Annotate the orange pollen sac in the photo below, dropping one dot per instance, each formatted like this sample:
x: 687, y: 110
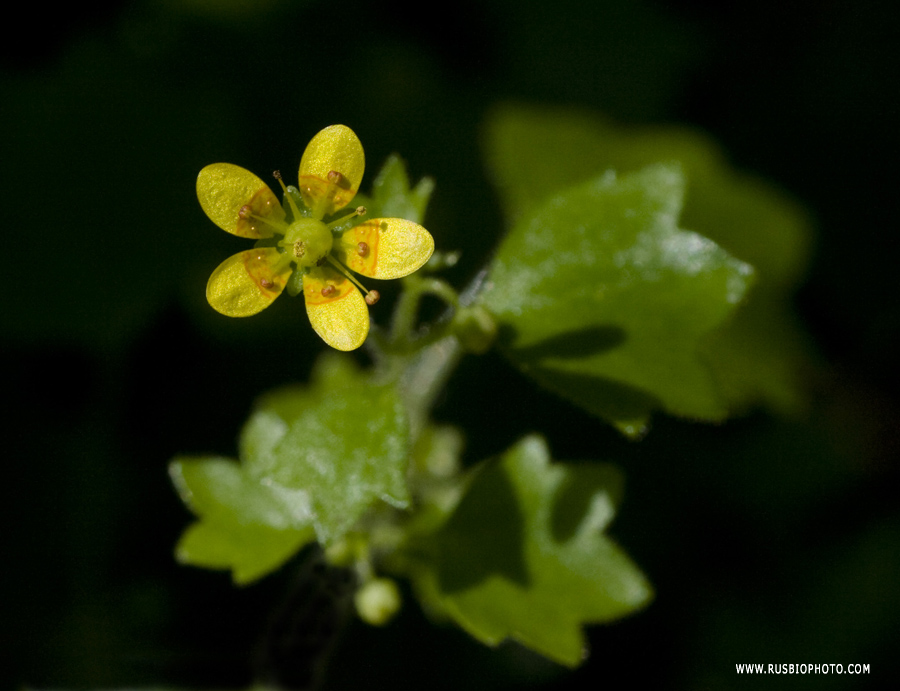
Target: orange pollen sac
x: 362, y: 249
x: 371, y: 297
x: 327, y: 291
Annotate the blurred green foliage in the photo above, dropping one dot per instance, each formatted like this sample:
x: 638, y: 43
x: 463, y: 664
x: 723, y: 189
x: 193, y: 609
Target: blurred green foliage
x: 759, y: 356
x: 516, y: 550
x: 523, y: 555
x: 244, y: 525
x: 767, y: 539
x: 605, y: 299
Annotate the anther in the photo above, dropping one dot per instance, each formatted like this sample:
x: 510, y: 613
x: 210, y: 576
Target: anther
x: 372, y: 297
x: 358, y: 211
x: 299, y: 249
x: 245, y: 211
x: 327, y: 291
x: 265, y: 283
x: 362, y: 249
x: 334, y: 176
x: 290, y: 200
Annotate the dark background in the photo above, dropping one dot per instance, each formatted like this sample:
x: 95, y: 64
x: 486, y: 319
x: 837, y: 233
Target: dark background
x: 773, y: 541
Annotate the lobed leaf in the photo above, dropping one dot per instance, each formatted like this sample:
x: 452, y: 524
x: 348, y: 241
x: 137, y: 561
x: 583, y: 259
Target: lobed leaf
x: 392, y: 195
x: 758, y: 356
x: 603, y: 299
x: 523, y: 555
x: 343, y: 442
x: 243, y: 525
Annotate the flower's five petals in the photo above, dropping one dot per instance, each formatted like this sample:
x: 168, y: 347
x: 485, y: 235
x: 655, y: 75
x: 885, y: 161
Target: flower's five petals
x: 385, y: 248
x: 336, y: 309
x: 235, y: 200
x: 331, y: 170
x: 247, y: 282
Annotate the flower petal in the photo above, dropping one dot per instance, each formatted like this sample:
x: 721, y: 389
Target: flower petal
x: 339, y: 314
x: 224, y: 189
x: 335, y: 149
x: 247, y: 282
x: 391, y: 247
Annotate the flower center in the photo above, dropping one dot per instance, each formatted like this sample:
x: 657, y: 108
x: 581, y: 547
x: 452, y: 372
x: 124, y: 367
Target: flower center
x: 307, y: 241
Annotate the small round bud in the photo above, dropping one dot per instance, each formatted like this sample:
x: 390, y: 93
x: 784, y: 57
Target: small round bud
x: 475, y: 328
x: 372, y: 297
x: 377, y: 601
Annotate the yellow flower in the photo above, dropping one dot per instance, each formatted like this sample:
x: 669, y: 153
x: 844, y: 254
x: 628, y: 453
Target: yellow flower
x: 331, y: 170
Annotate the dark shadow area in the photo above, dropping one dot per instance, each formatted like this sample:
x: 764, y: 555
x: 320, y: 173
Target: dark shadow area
x: 303, y: 631
x: 605, y: 398
x: 573, y: 344
x: 485, y: 535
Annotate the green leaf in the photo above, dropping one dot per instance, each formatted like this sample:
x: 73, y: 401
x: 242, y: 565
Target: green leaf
x: 392, y: 196
x: 523, y: 555
x: 314, y: 458
x: 342, y: 442
x: 757, y: 357
x: 603, y: 299
x: 244, y: 525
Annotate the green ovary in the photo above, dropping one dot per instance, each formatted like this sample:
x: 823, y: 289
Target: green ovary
x: 307, y: 241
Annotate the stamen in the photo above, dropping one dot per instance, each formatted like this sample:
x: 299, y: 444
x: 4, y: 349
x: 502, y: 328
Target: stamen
x: 277, y: 175
x: 328, y: 291
x: 265, y: 283
x: 299, y: 249
x: 362, y: 249
x: 372, y: 295
x: 245, y: 213
x: 358, y: 211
